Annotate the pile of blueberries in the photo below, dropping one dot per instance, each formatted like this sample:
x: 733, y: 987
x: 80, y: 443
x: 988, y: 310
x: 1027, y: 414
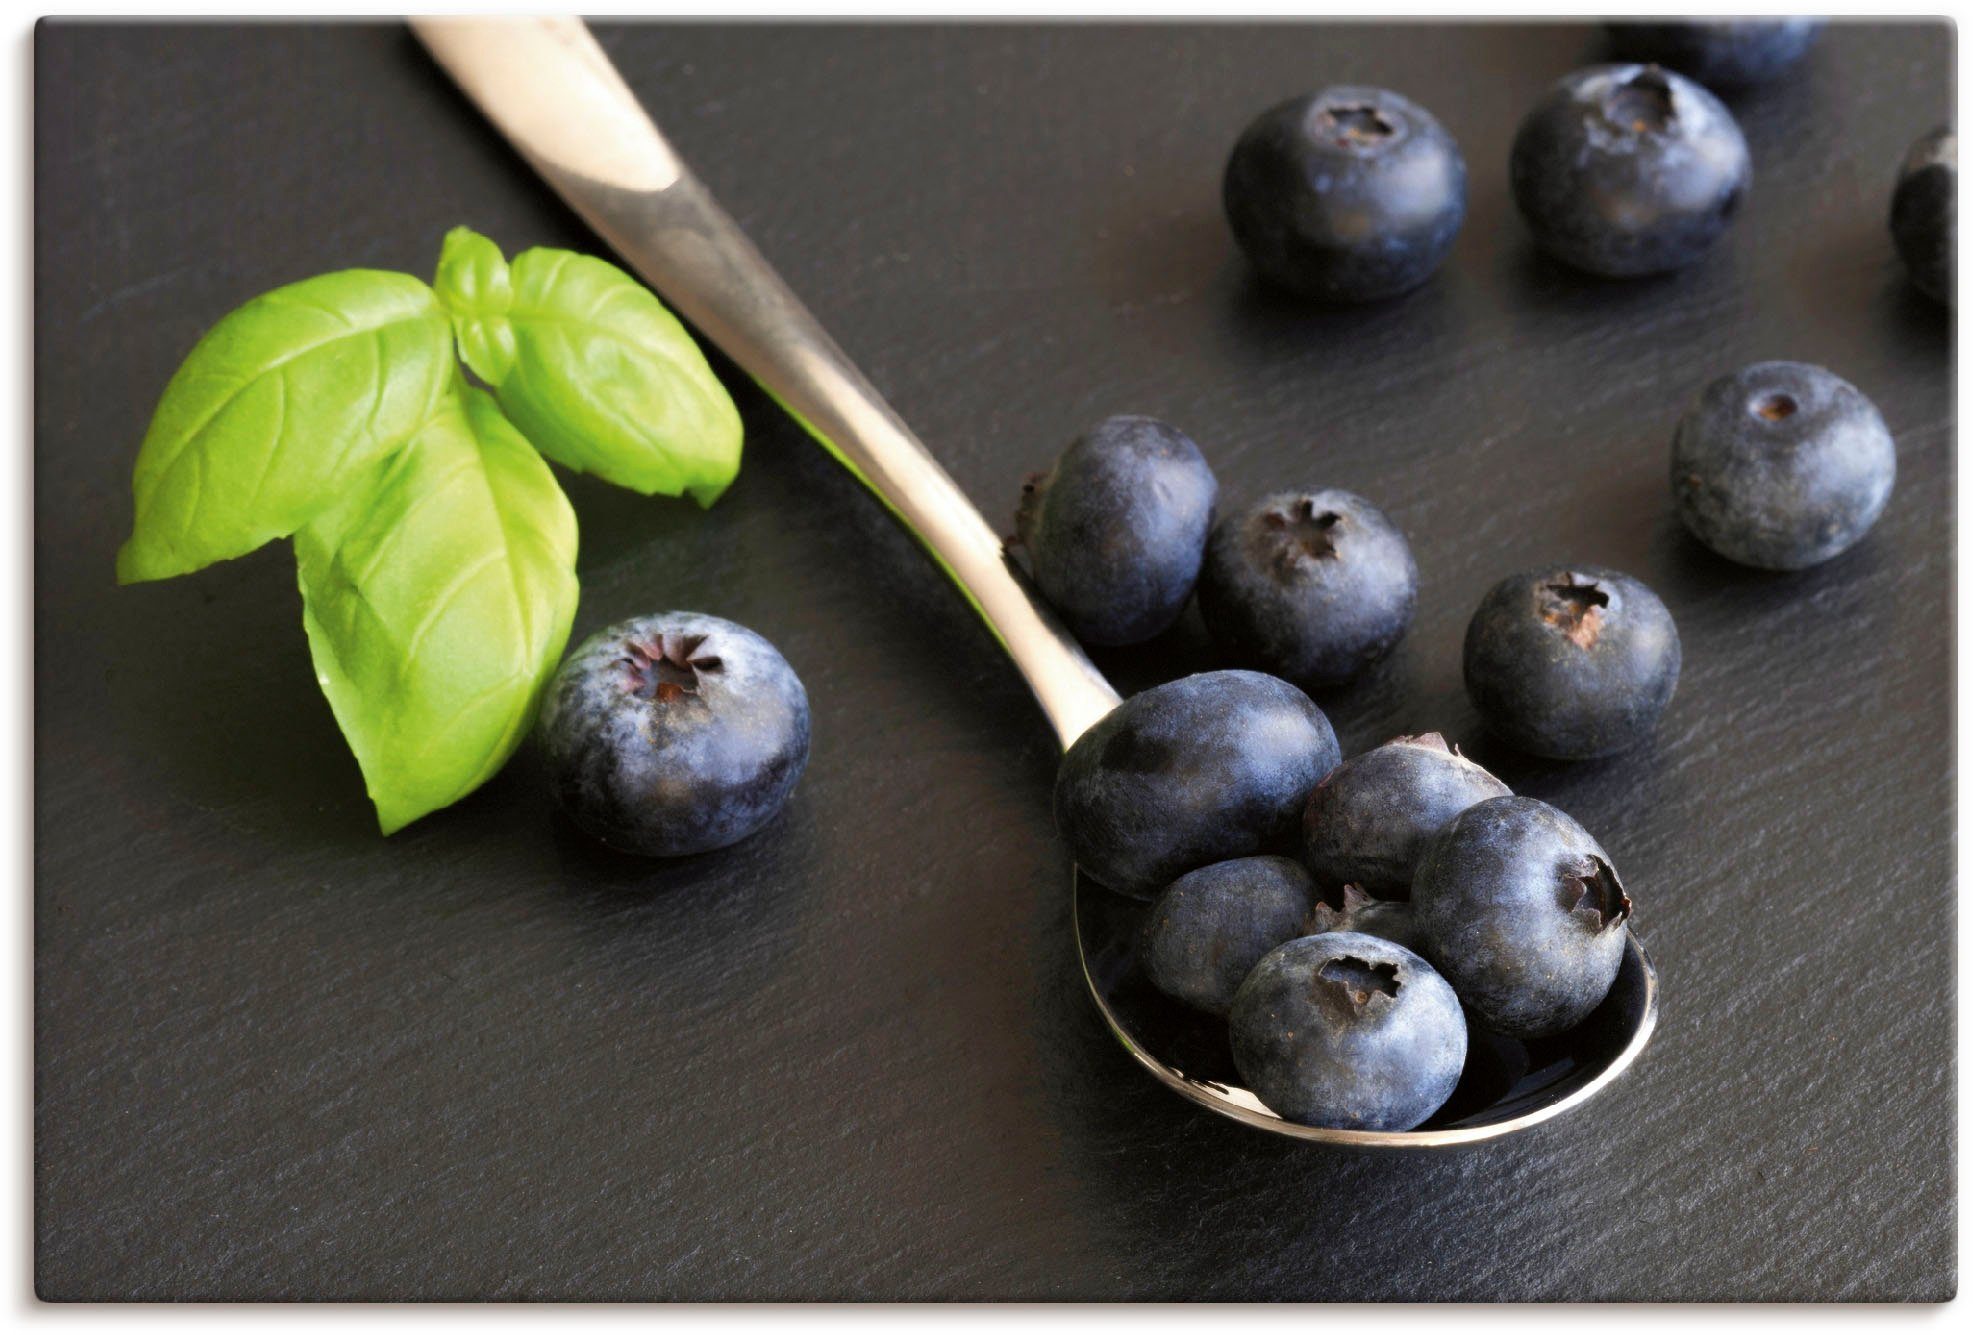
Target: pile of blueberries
x: 1425, y: 896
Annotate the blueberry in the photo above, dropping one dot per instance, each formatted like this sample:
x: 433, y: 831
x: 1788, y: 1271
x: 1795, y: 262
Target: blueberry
x: 1720, y: 53
x: 1368, y: 821
x: 1311, y: 586
x: 1348, y: 1030
x: 1390, y: 919
x: 1925, y: 213
x: 1198, y: 770
x: 1522, y: 912
x: 1622, y: 170
x: 674, y: 733
x: 1781, y: 465
x: 1211, y: 926
x: 1115, y: 531
x: 1350, y: 194
x: 1571, y: 662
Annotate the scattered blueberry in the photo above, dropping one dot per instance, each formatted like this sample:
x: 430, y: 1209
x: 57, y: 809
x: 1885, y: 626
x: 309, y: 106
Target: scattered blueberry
x: 1390, y: 919
x: 1622, y: 170
x: 1350, y: 194
x: 674, y: 733
x: 1211, y: 927
x: 1781, y: 465
x: 1368, y: 821
x: 1213, y: 766
x: 1348, y: 1030
x: 1925, y: 213
x: 1311, y: 586
x: 1720, y: 53
x: 1571, y: 662
x: 1116, y: 530
x: 1522, y: 912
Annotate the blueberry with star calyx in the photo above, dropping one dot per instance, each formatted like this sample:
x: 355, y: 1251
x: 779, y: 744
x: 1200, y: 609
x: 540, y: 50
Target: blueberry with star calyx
x: 674, y: 734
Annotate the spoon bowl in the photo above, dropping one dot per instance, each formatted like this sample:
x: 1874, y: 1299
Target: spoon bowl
x: 1507, y: 1085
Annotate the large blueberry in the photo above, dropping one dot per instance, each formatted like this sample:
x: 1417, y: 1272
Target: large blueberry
x: 1571, y: 662
x: 1349, y: 194
x: 1211, y: 926
x: 1350, y: 1031
x: 674, y: 733
x: 1925, y: 213
x: 1622, y: 170
x: 1198, y: 770
x: 1313, y: 586
x: 1390, y: 919
x: 1720, y: 53
x: 1781, y: 465
x: 1368, y: 821
x: 1115, y: 531
x: 1524, y: 915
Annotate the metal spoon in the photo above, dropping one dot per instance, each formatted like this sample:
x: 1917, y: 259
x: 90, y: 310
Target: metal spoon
x: 552, y: 91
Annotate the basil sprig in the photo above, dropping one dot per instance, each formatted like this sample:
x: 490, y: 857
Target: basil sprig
x: 435, y: 550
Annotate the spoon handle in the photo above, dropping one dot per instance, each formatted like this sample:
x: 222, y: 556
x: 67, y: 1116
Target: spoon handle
x: 549, y: 87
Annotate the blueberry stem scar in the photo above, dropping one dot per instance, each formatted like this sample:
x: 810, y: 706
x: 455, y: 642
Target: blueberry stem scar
x: 1361, y: 979
x: 1577, y: 610
x: 666, y: 667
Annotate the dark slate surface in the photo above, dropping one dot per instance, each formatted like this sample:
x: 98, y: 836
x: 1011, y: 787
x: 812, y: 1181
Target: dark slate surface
x: 279, y: 1056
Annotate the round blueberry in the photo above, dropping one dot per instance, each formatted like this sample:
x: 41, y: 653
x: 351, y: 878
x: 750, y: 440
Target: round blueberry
x: 1213, y: 766
x: 1925, y: 213
x: 1522, y: 912
x: 1622, y: 170
x: 1211, y: 926
x: 1781, y: 465
x: 1350, y: 194
x: 674, y: 733
x: 1390, y: 919
x: 1368, y: 821
x: 1720, y: 53
x: 1312, y: 586
x: 1571, y: 662
x: 1350, y: 1031
x: 1114, y: 533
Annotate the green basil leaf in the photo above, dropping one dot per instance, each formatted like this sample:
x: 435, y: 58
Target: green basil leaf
x: 474, y: 284
x: 280, y: 406
x: 606, y: 380
x: 437, y: 602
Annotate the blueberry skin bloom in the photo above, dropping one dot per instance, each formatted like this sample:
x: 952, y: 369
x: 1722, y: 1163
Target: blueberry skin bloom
x: 1571, y: 662
x: 1116, y: 530
x: 1781, y: 465
x: 1349, y: 194
x: 1524, y: 915
x: 1720, y: 53
x: 1198, y: 770
x: 1925, y: 213
x: 1625, y: 170
x: 1311, y: 586
x: 1211, y: 926
x: 1369, y: 820
x: 1349, y: 1031
x: 674, y: 734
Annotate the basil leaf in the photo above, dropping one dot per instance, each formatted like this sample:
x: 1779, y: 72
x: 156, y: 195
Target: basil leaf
x: 280, y: 406
x: 474, y: 284
x: 606, y: 380
x: 437, y: 600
